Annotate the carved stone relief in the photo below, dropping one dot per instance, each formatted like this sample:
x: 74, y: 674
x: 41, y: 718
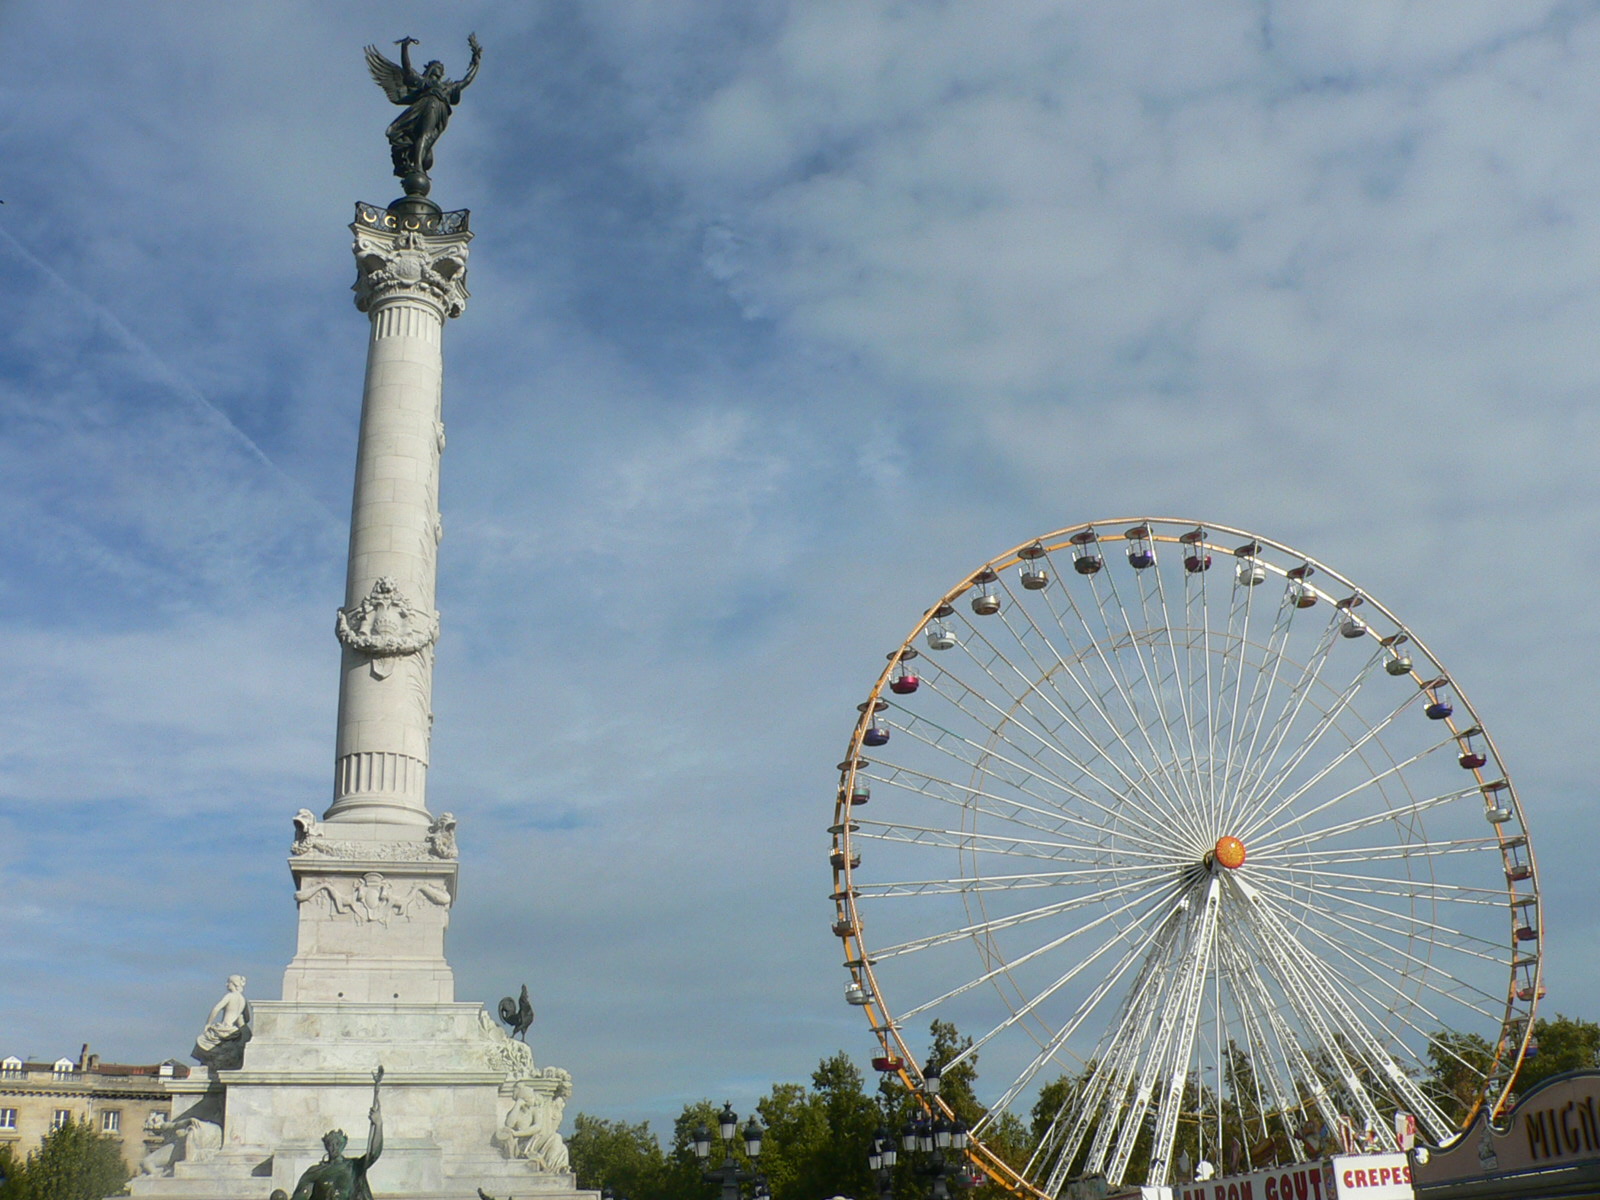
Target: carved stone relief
x: 386, y: 626
x: 374, y: 898
x: 442, y: 836
x: 504, y: 1053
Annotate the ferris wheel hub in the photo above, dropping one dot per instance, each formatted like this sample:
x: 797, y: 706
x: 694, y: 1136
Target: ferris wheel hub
x: 1229, y: 852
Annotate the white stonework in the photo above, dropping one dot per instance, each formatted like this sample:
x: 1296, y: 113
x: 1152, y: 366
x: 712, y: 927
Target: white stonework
x: 375, y: 877
x: 408, y: 284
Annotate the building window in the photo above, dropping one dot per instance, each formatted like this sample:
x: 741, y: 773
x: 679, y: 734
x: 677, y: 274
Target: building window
x: 111, y: 1120
x: 62, y: 1116
x: 63, y: 1066
x: 10, y: 1068
x: 8, y: 1118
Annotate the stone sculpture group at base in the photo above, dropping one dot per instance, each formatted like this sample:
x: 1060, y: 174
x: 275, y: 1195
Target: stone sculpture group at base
x: 188, y: 1139
x: 532, y: 1129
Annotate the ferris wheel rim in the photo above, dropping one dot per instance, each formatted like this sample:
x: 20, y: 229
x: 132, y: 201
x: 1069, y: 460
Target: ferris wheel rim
x: 861, y: 960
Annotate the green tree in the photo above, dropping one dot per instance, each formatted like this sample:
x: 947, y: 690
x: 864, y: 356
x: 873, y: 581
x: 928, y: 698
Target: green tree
x: 1565, y: 1044
x: 822, y: 1136
x: 626, y: 1158
x: 11, y: 1168
x: 1457, y: 1064
x: 75, y: 1162
x: 817, y: 1137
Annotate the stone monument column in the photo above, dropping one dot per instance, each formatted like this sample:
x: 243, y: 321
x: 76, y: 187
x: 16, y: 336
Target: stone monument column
x: 411, y: 277
x: 376, y: 877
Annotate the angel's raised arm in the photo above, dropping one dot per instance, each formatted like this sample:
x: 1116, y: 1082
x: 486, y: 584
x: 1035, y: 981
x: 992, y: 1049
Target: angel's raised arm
x: 405, y: 44
x: 477, y: 57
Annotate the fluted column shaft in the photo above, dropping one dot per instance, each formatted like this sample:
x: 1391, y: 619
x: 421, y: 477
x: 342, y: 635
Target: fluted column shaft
x: 409, y: 284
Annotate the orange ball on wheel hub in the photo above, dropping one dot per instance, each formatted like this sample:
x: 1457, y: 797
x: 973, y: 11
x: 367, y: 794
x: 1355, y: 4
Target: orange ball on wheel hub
x: 1230, y: 852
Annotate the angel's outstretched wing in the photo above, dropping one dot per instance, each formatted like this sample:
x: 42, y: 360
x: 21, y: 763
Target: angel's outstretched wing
x: 390, y: 76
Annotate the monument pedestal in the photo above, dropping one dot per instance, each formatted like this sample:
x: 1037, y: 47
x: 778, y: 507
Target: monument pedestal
x: 370, y: 986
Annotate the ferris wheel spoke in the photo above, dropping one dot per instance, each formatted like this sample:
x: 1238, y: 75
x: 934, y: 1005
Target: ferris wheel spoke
x: 967, y: 841
x: 1005, y: 967
x: 1381, y: 971
x: 1386, y: 816
x: 1239, y: 640
x: 1315, y: 1008
x: 1004, y: 808
x: 1294, y: 1053
x: 1483, y: 1005
x: 1431, y: 931
x: 1356, y: 1033
x: 1129, y: 781
x: 1176, y: 1029
x: 1082, y: 1105
x: 1265, y: 1062
x: 1030, y: 1006
x: 1260, y: 701
x: 1144, y: 888
x: 1380, y: 885
x: 1171, y: 1102
x: 1327, y: 720
x: 947, y: 742
x: 1136, y: 952
x: 1257, y: 815
x: 1111, y: 665
x: 1418, y: 849
x: 1122, y: 1080
x: 1177, y: 780
x: 1289, y: 714
x: 1152, y: 588
x: 966, y: 886
x: 1037, y: 743
x: 1195, y: 585
x: 1185, y: 787
x: 1185, y: 708
x: 1384, y: 966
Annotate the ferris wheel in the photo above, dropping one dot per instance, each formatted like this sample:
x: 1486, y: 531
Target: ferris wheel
x: 1183, y: 822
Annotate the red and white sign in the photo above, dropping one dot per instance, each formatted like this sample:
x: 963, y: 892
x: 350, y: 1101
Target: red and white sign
x: 1405, y: 1129
x: 1346, y: 1177
x: 1301, y: 1181
x: 1372, y: 1177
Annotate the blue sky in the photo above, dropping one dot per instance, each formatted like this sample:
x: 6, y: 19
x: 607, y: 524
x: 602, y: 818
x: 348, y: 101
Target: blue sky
x: 785, y: 317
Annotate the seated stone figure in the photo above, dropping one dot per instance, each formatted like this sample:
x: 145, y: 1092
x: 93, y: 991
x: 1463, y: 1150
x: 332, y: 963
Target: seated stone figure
x: 531, y: 1129
x: 221, y: 1042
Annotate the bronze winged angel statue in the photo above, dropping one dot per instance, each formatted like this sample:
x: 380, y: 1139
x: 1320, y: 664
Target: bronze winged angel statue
x: 429, y: 98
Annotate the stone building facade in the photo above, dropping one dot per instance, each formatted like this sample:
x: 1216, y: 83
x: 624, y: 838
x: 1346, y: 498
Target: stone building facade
x: 114, y: 1098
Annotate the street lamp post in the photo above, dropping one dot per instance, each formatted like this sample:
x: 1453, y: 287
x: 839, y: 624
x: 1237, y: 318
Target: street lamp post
x: 881, y: 1158
x: 928, y: 1136
x: 730, y: 1174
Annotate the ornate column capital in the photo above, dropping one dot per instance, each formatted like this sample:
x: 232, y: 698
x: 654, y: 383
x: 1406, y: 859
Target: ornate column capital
x: 410, y: 264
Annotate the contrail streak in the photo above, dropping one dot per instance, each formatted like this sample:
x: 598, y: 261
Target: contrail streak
x: 179, y: 385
